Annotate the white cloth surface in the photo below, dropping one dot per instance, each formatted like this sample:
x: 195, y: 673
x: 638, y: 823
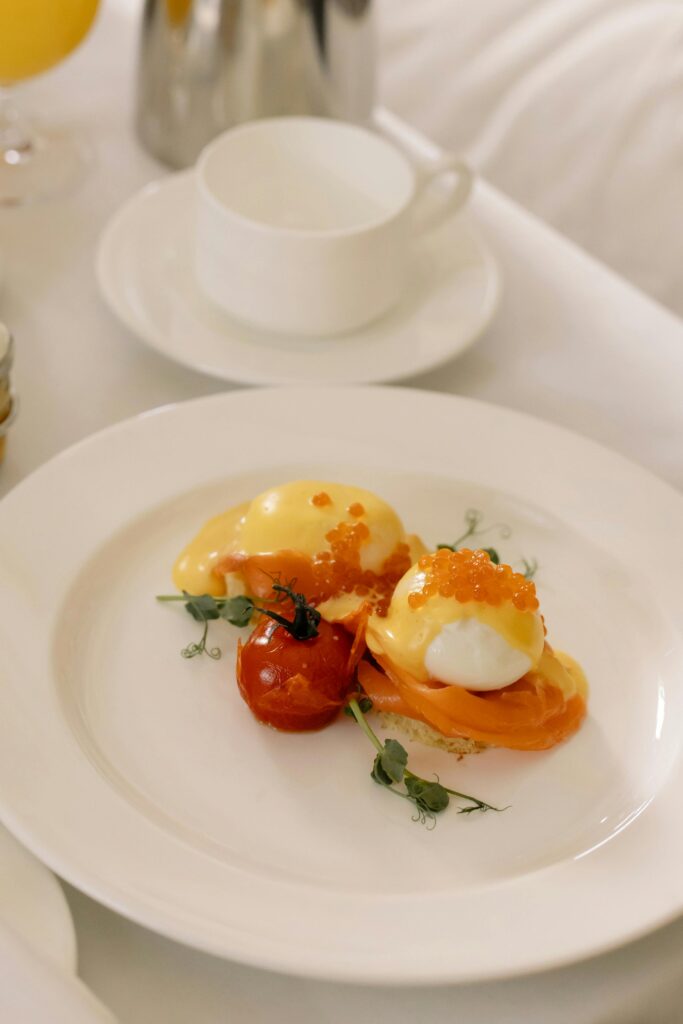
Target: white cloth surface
x: 33, y: 905
x: 33, y: 990
x: 571, y: 343
x: 151, y: 980
x: 575, y: 109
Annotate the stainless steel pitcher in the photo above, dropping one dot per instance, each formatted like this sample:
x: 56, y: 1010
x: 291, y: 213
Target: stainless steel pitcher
x: 206, y: 65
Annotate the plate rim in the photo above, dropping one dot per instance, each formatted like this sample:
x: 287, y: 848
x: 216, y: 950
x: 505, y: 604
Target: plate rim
x: 120, y: 902
x: 110, y: 239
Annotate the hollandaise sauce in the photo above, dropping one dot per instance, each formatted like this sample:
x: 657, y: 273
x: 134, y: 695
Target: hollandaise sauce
x: 341, y: 544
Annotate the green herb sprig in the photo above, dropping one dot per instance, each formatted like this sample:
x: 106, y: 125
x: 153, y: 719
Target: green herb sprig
x: 390, y: 769
x: 530, y: 568
x: 239, y: 610
x: 473, y: 520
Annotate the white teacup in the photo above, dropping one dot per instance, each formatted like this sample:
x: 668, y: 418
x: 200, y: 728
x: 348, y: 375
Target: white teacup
x: 305, y: 225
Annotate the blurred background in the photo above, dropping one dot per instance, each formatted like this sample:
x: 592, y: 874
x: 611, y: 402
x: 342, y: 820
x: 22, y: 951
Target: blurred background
x: 575, y: 109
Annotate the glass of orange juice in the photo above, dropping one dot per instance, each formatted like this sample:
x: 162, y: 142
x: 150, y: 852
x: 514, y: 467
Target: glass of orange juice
x: 35, y: 35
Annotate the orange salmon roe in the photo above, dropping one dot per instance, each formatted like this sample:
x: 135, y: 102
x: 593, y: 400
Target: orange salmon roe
x: 472, y: 576
x: 339, y: 571
x: 322, y: 499
x: 356, y: 509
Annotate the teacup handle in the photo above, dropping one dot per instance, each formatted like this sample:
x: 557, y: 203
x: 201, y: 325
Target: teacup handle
x: 430, y: 212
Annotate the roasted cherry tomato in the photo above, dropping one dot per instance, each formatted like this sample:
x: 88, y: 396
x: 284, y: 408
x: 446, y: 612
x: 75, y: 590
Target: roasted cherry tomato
x: 295, y: 685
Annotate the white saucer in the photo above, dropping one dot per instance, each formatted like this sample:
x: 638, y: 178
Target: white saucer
x: 145, y: 273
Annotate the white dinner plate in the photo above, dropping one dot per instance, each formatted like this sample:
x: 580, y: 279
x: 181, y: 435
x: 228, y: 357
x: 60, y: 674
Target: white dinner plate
x: 146, y: 276
x: 143, y: 779
x: 33, y: 904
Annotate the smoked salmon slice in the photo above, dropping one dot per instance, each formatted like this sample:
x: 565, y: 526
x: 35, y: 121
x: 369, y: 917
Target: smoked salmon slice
x: 531, y: 714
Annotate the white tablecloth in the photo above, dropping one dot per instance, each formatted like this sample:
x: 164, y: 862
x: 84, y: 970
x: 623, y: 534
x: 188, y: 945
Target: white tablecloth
x: 572, y: 343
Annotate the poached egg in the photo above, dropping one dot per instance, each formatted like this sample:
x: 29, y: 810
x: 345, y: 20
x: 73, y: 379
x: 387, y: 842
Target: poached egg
x: 351, y: 539
x: 457, y: 618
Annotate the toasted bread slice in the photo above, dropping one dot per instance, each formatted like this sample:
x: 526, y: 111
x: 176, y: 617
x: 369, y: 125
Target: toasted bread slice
x: 423, y: 733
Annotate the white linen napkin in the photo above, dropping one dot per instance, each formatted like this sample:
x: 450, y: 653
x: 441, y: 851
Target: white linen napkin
x: 35, y: 991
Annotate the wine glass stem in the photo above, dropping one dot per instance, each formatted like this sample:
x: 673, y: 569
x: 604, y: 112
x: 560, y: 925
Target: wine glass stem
x: 16, y: 137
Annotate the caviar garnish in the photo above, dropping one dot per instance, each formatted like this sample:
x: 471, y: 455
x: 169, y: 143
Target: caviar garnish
x: 339, y: 570
x: 471, y: 576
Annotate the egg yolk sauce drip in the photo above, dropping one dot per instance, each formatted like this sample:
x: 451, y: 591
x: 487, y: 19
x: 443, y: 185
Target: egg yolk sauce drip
x: 498, y: 681
x: 344, y: 547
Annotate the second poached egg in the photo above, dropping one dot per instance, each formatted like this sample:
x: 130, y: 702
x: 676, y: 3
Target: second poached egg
x: 456, y: 618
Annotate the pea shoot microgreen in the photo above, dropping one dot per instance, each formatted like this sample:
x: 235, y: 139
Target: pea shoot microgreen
x: 530, y: 568
x: 239, y: 611
x: 390, y: 769
x: 473, y: 521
